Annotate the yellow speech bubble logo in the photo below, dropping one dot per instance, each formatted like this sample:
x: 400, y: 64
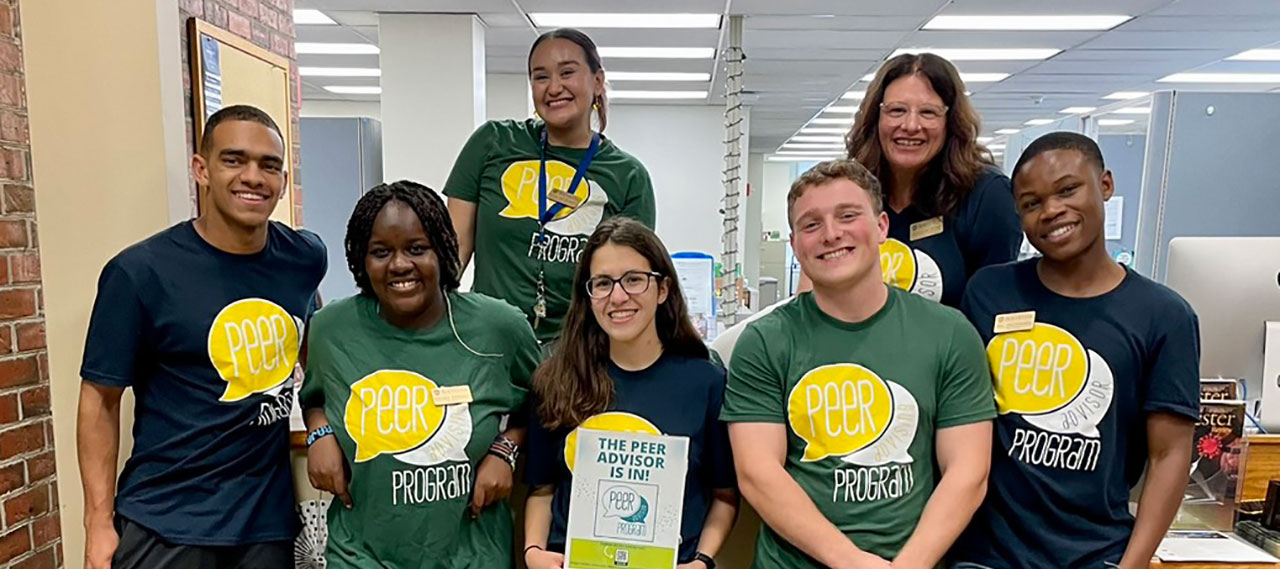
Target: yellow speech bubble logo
x: 520, y: 187
x: 391, y: 411
x: 615, y: 421
x: 253, y: 344
x: 1038, y: 370
x: 898, y: 264
x: 839, y: 409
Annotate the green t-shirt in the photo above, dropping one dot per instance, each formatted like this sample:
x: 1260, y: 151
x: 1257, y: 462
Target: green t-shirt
x: 862, y: 404
x: 498, y: 171
x: 412, y: 462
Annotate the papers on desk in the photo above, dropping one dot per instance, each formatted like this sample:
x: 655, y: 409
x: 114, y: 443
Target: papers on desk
x: 1209, y: 546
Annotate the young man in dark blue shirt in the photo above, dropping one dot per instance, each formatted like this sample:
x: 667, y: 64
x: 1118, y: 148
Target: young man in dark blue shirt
x: 204, y: 321
x: 1096, y: 372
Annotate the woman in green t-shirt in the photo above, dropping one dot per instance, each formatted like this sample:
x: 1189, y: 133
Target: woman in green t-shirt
x: 629, y: 360
x: 525, y: 195
x: 408, y: 390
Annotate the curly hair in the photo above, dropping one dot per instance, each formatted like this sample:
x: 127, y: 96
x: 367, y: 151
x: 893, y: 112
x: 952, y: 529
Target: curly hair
x: 426, y: 203
x: 951, y: 175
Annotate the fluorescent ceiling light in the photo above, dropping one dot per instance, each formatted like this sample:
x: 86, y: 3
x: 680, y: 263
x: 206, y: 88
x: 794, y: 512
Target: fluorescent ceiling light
x: 1039, y: 122
x: 1077, y: 110
x: 616, y: 20
x: 821, y: 130
x: 1046, y: 22
x: 996, y: 147
x: 304, y: 17
x: 854, y: 95
x: 812, y: 146
x: 1114, y: 122
x: 1221, y: 78
x: 308, y: 48
x: 846, y: 120
x: 622, y: 94
x: 966, y: 77
x: 984, y: 139
x: 1257, y: 55
x: 339, y: 72
x: 354, y: 89
x: 659, y: 52
x: 1008, y: 131
x: 984, y: 54
x: 831, y: 139
x: 656, y: 76
x: 840, y: 110
x: 1125, y: 95
x: 793, y: 152
x: 793, y: 158
x: 1133, y: 111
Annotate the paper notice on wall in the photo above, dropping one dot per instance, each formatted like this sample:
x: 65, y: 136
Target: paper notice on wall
x: 1115, y: 217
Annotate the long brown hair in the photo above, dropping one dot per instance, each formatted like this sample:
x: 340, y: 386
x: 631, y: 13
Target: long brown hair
x: 589, y: 53
x: 951, y: 175
x: 574, y: 384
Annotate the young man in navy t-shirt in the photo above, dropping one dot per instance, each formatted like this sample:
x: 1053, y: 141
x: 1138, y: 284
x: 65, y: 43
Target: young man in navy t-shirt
x: 1096, y: 372
x: 204, y: 321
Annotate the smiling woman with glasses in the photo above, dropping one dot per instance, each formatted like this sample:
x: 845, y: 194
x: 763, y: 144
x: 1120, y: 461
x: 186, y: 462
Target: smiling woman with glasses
x: 950, y: 209
x: 628, y: 360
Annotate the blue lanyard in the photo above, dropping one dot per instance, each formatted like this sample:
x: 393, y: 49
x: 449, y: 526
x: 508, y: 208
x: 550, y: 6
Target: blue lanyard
x: 544, y: 214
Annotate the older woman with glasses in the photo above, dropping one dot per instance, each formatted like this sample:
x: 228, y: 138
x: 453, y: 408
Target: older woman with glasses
x: 950, y: 209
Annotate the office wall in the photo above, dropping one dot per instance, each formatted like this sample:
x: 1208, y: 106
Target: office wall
x: 1123, y: 154
x: 105, y: 178
x: 340, y: 109
x: 1210, y: 170
x: 685, y: 168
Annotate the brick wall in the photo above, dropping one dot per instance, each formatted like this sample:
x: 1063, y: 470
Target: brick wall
x: 269, y: 25
x: 30, y: 535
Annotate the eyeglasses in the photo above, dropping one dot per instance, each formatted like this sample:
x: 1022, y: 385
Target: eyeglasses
x: 929, y: 114
x: 633, y: 283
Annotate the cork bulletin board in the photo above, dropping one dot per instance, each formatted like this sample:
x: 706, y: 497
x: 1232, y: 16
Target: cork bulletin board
x: 229, y: 70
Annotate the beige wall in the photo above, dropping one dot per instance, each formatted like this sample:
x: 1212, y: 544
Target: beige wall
x: 108, y: 153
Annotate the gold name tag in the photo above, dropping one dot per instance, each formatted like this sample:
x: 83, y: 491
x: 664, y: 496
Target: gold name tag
x: 451, y: 395
x: 1015, y: 322
x: 564, y: 198
x: 926, y: 228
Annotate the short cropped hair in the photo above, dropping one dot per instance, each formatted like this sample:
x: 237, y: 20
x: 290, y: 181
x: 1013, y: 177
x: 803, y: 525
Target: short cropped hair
x: 1062, y: 140
x: 831, y: 170
x: 236, y: 113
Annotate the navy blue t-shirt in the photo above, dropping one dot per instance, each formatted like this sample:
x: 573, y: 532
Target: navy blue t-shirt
x: 676, y: 396
x: 208, y: 340
x: 983, y: 230
x: 1073, y: 395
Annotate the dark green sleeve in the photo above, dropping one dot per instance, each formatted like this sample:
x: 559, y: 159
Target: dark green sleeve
x: 640, y: 204
x: 965, y: 395
x: 464, y: 179
x: 524, y: 355
x: 755, y: 390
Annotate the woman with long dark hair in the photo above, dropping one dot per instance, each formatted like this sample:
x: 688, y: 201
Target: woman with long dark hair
x: 629, y: 360
x: 524, y: 195
x: 950, y: 209
x: 409, y: 388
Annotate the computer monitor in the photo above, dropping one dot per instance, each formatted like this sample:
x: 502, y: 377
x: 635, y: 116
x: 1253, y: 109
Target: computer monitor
x: 1233, y: 284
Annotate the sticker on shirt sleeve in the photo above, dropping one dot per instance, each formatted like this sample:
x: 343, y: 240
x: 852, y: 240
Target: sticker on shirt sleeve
x: 253, y: 345
x: 1058, y: 386
x: 615, y: 421
x: 392, y: 412
x: 910, y: 269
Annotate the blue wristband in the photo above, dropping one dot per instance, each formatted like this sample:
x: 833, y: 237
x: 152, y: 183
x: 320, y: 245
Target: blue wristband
x: 318, y: 434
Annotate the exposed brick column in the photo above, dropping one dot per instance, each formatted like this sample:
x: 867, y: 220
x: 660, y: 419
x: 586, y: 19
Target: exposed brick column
x: 269, y: 25
x: 30, y: 535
